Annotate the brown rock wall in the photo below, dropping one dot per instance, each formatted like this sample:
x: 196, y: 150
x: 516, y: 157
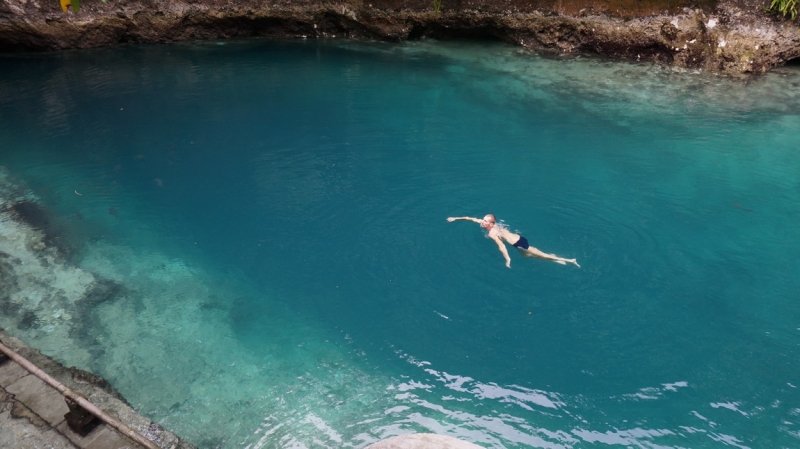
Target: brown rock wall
x: 732, y: 36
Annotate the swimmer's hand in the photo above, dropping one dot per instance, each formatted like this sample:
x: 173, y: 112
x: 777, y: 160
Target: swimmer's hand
x: 508, y: 264
x: 451, y: 219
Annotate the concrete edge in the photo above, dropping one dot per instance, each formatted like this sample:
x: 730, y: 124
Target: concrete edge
x: 94, y: 388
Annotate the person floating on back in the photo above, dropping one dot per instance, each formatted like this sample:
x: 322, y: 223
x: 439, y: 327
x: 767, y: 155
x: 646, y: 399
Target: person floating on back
x: 500, y: 235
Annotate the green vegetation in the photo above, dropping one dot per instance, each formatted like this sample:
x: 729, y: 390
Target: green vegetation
x: 437, y: 6
x: 784, y: 7
x: 74, y: 4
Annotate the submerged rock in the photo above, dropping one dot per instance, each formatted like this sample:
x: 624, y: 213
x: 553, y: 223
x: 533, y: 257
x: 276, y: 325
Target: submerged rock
x: 729, y: 36
x: 39, y: 290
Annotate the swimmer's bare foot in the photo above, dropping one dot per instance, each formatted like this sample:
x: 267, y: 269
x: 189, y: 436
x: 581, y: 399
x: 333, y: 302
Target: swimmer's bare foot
x: 574, y: 261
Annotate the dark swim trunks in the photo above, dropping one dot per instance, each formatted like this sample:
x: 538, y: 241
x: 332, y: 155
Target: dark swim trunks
x: 522, y: 243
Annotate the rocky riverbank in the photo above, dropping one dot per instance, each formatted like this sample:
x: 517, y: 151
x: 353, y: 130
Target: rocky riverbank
x: 729, y: 36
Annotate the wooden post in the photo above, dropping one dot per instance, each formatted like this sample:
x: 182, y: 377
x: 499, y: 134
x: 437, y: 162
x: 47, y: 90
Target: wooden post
x: 79, y: 419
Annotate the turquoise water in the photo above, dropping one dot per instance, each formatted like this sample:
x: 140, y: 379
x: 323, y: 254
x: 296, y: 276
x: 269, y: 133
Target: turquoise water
x: 274, y: 213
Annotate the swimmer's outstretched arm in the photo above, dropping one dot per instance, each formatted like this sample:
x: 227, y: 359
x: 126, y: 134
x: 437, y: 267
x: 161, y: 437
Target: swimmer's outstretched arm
x: 452, y: 219
x: 503, y: 250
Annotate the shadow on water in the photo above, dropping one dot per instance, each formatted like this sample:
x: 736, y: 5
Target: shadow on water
x: 793, y: 63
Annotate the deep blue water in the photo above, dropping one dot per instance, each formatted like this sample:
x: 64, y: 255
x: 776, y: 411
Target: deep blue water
x: 277, y: 213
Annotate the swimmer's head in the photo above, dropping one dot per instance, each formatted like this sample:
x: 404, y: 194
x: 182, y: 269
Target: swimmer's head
x: 488, y: 221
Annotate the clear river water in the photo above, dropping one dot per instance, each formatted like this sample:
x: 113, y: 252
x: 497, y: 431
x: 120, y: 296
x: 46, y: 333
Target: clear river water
x: 275, y: 212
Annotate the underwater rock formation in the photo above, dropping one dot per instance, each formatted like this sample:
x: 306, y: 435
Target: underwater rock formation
x: 39, y: 292
x: 46, y: 299
x: 729, y: 36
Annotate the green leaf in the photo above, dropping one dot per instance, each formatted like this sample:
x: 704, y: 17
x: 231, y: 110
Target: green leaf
x: 76, y: 5
x: 784, y: 7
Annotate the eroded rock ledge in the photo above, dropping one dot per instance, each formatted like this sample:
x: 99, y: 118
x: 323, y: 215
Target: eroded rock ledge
x: 731, y: 36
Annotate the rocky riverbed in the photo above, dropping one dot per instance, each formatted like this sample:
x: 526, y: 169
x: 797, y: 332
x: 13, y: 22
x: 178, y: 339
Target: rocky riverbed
x: 40, y: 294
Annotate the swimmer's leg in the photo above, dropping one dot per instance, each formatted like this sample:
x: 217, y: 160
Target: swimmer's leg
x: 535, y: 252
